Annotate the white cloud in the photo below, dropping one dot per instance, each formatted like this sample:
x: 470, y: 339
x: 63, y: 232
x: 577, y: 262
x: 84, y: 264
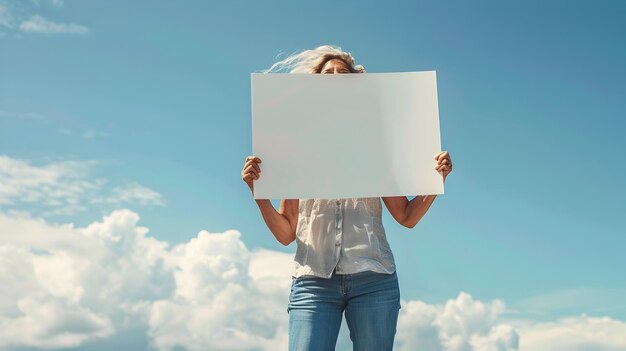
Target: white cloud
x: 6, y: 20
x: 40, y: 270
x: 63, y: 187
x: 89, y: 134
x: 501, y: 337
x: 581, y: 333
x: 12, y: 14
x: 64, y: 286
x: 459, y: 325
x: 55, y: 184
x: 38, y: 24
x: 132, y: 193
x: 219, y: 303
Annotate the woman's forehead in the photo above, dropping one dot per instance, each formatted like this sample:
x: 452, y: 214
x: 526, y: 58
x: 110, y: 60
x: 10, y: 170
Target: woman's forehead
x: 335, y: 62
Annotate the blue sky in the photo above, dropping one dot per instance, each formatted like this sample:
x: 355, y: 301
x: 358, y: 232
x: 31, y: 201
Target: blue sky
x: 154, y: 97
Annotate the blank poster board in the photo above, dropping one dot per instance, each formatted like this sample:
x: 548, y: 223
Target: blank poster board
x: 330, y: 136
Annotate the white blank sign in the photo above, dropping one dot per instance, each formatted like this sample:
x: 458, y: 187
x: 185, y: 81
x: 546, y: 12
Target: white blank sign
x: 329, y: 136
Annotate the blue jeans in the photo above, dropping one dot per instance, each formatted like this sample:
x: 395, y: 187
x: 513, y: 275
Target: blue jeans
x: 371, y: 302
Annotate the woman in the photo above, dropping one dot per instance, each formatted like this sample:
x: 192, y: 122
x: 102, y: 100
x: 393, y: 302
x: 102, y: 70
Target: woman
x: 343, y: 261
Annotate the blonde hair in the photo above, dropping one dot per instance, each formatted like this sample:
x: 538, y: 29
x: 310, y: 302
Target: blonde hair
x: 312, y: 61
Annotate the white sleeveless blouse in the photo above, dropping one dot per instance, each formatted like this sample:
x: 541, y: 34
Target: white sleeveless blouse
x: 342, y: 234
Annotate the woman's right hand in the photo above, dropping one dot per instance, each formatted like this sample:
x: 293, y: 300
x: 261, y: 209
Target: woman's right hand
x: 251, y: 171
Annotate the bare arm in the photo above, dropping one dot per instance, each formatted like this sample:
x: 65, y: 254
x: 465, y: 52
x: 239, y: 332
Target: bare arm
x: 281, y: 223
x: 408, y: 213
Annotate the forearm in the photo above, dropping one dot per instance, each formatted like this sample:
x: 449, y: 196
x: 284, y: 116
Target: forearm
x: 276, y: 222
x: 417, y: 208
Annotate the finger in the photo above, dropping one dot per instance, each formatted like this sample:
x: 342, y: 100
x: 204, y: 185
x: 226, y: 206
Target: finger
x: 251, y: 162
x: 253, y: 158
x: 247, y: 167
x: 251, y: 176
x: 251, y: 169
x: 256, y: 160
x: 442, y: 167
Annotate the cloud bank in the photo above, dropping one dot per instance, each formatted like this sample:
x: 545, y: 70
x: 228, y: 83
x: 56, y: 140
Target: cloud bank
x: 65, y: 286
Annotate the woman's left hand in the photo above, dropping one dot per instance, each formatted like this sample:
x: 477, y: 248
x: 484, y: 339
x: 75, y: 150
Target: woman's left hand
x: 444, y: 164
